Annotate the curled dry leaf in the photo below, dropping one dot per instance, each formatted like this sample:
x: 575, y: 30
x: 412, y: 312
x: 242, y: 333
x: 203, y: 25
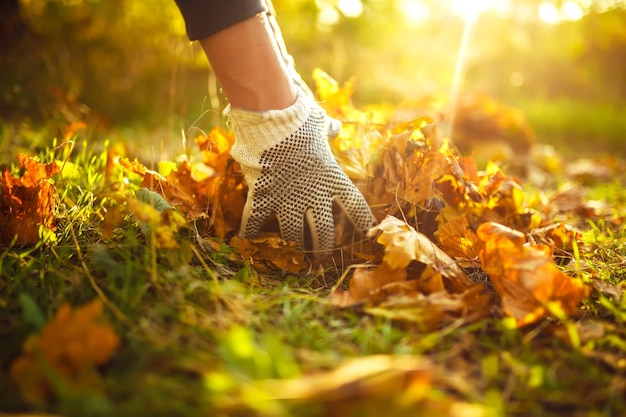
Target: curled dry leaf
x: 71, y: 345
x: 403, y: 244
x: 27, y: 202
x: 441, y: 293
x: 269, y: 254
x: 458, y: 240
x: 525, y: 277
x: 560, y: 237
x: 367, y: 285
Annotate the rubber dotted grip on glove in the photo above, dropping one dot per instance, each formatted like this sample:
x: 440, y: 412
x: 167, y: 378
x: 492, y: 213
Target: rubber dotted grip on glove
x: 295, y: 178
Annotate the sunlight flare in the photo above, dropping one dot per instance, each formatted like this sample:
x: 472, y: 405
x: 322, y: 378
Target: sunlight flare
x: 415, y: 12
x: 549, y: 13
x: 469, y: 10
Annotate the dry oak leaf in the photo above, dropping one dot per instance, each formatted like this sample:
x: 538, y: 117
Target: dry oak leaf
x: 69, y: 346
x: 403, y: 244
x: 27, y: 202
x: 525, y: 277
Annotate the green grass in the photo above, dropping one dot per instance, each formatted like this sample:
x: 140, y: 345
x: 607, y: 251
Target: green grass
x: 202, y: 335
x: 578, y: 128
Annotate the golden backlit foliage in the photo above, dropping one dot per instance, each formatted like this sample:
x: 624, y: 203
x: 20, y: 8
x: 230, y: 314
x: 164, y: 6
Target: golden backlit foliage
x: 454, y: 217
x: 525, y: 276
x: 448, y: 230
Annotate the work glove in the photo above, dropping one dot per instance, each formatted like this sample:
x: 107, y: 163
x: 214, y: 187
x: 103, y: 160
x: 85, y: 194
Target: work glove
x: 291, y: 172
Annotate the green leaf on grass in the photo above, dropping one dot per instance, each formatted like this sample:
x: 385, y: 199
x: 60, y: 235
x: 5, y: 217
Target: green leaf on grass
x: 30, y: 309
x: 152, y: 198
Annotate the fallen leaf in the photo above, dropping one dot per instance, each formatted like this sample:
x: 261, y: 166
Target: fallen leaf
x: 269, y: 254
x: 359, y: 378
x: 403, y: 244
x: 27, y: 202
x: 525, y: 277
x: 459, y: 241
x: 71, y: 345
x: 367, y: 285
x: 434, y: 310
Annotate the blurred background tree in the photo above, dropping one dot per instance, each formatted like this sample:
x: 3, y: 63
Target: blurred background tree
x: 120, y: 63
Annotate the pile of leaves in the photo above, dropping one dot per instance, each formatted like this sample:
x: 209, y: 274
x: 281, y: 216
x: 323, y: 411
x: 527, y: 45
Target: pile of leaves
x: 441, y: 218
x: 454, y: 243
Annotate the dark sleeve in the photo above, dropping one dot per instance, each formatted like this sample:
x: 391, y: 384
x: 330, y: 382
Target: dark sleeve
x: 205, y: 17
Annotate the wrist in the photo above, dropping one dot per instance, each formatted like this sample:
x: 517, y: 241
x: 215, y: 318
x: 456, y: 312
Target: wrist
x: 255, y: 132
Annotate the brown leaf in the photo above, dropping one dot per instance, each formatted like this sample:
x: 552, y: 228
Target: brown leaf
x: 180, y: 190
x: 212, y: 191
x: 525, y: 277
x: 27, y: 202
x: 269, y: 254
x: 368, y: 285
x: 560, y: 237
x: 403, y: 244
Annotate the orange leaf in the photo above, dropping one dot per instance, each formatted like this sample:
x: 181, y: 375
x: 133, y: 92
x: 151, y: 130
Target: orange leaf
x: 459, y: 241
x: 72, y: 344
x: 27, y: 202
x: 213, y: 190
x: 366, y: 285
x: 525, y: 277
x: 181, y: 190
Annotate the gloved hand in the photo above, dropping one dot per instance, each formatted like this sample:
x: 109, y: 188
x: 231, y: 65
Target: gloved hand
x: 291, y: 172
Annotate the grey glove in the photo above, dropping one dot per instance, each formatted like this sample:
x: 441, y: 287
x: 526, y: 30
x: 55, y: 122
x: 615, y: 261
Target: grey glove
x: 291, y: 172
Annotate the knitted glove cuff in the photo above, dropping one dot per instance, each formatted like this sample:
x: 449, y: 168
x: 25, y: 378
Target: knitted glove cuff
x: 256, y: 132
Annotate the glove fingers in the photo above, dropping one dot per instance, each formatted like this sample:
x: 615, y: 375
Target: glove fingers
x: 322, y: 227
x: 291, y: 226
x: 252, y: 219
x: 354, y: 205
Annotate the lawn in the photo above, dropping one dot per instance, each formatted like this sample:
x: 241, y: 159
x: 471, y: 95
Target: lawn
x: 113, y: 302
